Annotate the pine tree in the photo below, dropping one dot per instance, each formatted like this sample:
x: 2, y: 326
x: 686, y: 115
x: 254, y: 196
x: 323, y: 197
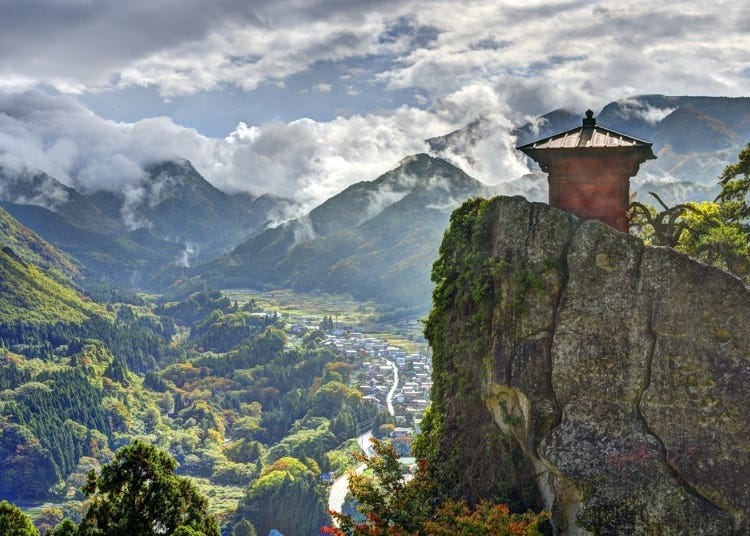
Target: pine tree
x: 138, y: 493
x: 13, y: 522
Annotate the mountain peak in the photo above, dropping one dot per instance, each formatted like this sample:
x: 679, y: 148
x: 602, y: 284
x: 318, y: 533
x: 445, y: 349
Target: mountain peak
x: 374, y: 240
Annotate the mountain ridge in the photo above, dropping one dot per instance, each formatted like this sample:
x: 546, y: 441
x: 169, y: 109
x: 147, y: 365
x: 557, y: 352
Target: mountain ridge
x: 332, y: 249
x: 151, y: 234
x: 126, y: 237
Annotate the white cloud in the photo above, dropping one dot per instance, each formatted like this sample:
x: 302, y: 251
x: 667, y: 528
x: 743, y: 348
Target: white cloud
x: 638, y: 109
x: 310, y: 161
x: 504, y: 61
x: 599, y: 51
x: 305, y: 160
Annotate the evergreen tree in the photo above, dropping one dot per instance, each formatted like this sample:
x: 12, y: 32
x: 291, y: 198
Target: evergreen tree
x: 244, y: 528
x: 735, y: 187
x: 13, y: 522
x: 720, y: 232
x: 138, y: 493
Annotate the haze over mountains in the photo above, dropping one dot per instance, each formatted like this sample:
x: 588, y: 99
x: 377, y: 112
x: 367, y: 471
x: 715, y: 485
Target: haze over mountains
x: 374, y: 240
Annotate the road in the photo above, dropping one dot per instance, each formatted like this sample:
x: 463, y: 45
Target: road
x: 340, y: 486
x: 392, y: 392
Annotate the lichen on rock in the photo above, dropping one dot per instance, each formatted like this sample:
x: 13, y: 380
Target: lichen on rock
x: 613, y: 374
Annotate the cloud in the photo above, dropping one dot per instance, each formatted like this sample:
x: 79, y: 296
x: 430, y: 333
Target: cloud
x: 442, y: 64
x: 602, y: 50
x: 60, y: 137
x: 304, y: 160
x: 47, y: 192
x: 311, y: 161
x: 631, y: 108
x: 386, y: 195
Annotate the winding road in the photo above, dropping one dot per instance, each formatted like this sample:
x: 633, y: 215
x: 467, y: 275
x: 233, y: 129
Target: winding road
x: 340, y: 486
x: 392, y: 391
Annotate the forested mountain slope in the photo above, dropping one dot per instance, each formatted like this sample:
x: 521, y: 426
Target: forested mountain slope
x: 375, y: 240
x: 31, y: 248
x: 213, y: 383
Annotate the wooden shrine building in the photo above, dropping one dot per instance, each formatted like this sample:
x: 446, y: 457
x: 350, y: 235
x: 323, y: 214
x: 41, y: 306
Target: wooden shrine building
x: 589, y: 170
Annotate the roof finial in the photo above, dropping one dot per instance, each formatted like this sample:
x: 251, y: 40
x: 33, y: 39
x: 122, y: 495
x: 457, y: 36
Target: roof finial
x: 589, y: 121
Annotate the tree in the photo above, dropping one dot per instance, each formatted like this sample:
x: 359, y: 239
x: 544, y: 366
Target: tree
x: 390, y: 505
x: 724, y: 238
x: 735, y: 186
x: 137, y: 493
x: 285, y: 497
x: 66, y: 528
x: 716, y: 233
x: 666, y: 227
x: 243, y: 528
x: 716, y: 239
x: 13, y: 522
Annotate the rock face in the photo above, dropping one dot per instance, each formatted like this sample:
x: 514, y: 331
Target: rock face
x: 620, y: 371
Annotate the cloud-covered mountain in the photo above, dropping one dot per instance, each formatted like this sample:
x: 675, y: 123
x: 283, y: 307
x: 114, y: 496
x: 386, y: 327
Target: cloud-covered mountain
x: 694, y: 139
x: 173, y: 216
x: 374, y: 240
x: 73, y: 223
x: 178, y: 205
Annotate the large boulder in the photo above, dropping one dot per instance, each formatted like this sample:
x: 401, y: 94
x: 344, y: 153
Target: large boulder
x: 619, y: 370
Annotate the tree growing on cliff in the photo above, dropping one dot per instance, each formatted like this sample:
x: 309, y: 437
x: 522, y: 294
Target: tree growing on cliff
x: 716, y: 239
x: 716, y: 233
x: 735, y: 188
x: 391, y: 505
x: 720, y: 231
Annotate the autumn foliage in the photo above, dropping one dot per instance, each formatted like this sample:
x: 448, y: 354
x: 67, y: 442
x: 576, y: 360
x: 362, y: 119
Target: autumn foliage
x: 392, y: 506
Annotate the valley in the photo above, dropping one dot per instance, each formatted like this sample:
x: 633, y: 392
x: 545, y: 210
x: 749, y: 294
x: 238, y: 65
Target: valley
x: 302, y: 377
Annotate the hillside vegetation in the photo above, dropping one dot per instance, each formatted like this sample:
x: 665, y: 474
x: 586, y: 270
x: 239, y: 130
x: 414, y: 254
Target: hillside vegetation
x: 31, y: 248
x: 28, y: 294
x: 253, y: 419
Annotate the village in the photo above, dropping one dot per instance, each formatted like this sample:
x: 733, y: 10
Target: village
x: 393, y: 372
x: 388, y: 375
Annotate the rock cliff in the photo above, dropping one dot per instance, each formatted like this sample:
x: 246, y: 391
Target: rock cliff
x: 578, y: 370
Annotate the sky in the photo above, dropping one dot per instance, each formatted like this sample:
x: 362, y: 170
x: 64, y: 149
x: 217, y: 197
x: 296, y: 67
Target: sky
x: 301, y: 98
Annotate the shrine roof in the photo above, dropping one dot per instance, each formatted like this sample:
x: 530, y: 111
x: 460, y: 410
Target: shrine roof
x: 588, y: 135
